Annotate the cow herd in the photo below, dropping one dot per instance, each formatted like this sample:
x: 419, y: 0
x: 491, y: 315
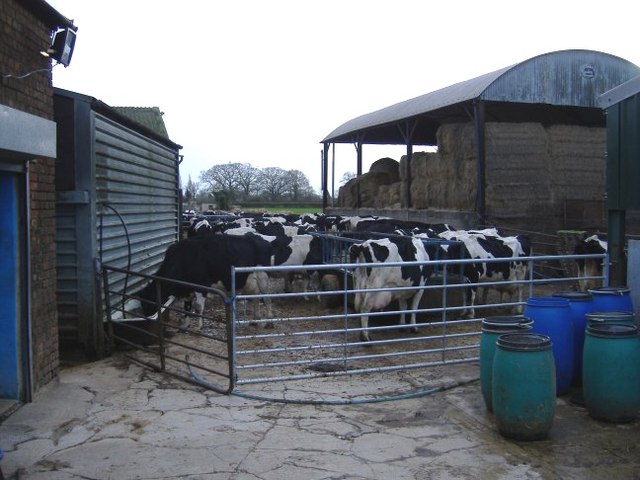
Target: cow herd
x: 209, y: 250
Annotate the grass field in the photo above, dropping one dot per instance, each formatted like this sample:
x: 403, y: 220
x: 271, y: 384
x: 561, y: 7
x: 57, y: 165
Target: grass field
x: 282, y: 208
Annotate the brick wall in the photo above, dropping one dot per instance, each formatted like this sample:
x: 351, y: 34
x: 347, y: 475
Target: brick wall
x: 21, y: 38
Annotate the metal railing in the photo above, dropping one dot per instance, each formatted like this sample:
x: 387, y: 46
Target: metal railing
x: 316, y: 332
x: 326, y: 342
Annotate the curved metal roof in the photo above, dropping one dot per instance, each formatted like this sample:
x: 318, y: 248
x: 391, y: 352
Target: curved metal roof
x: 569, y: 80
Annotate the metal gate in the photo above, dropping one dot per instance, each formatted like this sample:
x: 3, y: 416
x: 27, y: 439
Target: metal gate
x: 312, y: 332
x: 163, y: 341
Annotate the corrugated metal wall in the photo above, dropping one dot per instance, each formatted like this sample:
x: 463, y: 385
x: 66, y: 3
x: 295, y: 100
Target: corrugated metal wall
x: 136, y: 198
x: 118, y: 201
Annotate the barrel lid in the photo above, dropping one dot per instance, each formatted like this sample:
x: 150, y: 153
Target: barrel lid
x: 612, y: 330
x: 524, y: 341
x: 501, y: 322
x: 547, y: 302
x: 612, y: 316
x: 507, y: 328
x: 610, y: 290
x: 573, y: 296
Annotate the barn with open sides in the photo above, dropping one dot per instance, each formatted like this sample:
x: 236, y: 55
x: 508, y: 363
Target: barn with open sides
x: 522, y: 147
x: 117, y: 185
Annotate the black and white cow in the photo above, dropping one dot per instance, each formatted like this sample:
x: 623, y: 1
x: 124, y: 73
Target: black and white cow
x: 388, y: 250
x: 199, y: 225
x: 353, y: 223
x: 590, y: 267
x: 206, y: 260
x: 486, y: 244
x: 388, y: 225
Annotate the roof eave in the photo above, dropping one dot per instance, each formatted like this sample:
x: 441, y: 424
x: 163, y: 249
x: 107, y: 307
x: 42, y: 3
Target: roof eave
x: 461, y: 92
x: 47, y: 14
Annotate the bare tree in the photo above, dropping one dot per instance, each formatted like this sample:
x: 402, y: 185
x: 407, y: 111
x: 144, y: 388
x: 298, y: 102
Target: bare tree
x: 222, y: 178
x: 346, y: 176
x: 190, y: 192
x: 298, y: 186
x: 247, y: 177
x: 273, y: 182
x: 244, y: 181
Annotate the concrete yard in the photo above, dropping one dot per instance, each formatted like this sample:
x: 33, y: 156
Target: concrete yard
x: 111, y: 419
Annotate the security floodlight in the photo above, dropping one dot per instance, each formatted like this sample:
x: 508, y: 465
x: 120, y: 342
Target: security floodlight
x: 61, y: 49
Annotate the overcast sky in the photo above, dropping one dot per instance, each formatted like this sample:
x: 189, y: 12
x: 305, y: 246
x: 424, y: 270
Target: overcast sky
x: 264, y: 81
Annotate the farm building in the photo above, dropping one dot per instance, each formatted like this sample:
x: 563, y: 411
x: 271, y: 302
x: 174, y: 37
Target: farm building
x: 29, y: 355
x: 522, y: 147
x: 622, y: 105
x: 118, y: 202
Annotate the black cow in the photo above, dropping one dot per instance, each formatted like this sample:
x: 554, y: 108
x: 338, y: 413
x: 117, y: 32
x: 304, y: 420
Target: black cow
x: 207, y: 260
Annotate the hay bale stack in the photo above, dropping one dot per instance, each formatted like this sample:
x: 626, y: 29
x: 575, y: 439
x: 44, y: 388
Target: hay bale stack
x: 517, y: 171
x: 389, y: 196
x: 536, y: 177
x: 578, y: 165
x: 445, y: 179
x: 382, y: 172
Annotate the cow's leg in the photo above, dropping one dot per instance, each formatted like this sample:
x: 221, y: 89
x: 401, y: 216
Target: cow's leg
x: 403, y: 307
x: 263, y: 284
x: 520, y: 290
x: 415, y: 304
x: 197, y: 308
x: 364, y: 324
x: 469, y: 300
x: 188, y: 307
x: 485, y: 294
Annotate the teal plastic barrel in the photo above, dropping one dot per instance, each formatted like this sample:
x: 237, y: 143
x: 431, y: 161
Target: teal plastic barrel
x: 552, y: 317
x: 524, y: 386
x: 611, y: 372
x: 611, y: 299
x: 580, y: 304
x: 492, y: 328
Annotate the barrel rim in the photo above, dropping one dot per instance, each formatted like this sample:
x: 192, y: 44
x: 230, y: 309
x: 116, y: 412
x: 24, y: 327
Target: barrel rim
x: 504, y: 329
x: 574, y: 296
x: 524, y: 342
x: 548, y: 301
x: 610, y: 290
x: 612, y: 315
x: 608, y: 330
x: 502, y: 322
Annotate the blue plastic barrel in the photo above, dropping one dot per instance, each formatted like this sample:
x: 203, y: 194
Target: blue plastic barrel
x: 524, y: 386
x: 612, y: 299
x: 552, y: 317
x: 611, y: 373
x: 492, y: 328
x: 581, y: 304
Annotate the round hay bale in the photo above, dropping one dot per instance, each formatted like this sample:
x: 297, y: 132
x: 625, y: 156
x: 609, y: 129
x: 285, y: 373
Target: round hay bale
x: 387, y: 166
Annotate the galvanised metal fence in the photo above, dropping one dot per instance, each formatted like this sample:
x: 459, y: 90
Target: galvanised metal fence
x: 315, y: 332
x: 304, y: 341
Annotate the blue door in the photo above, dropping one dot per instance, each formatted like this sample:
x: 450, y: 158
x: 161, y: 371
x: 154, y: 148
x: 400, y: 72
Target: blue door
x: 13, y: 323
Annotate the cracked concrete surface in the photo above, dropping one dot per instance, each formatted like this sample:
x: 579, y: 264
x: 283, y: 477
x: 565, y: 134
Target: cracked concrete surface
x: 113, y: 420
